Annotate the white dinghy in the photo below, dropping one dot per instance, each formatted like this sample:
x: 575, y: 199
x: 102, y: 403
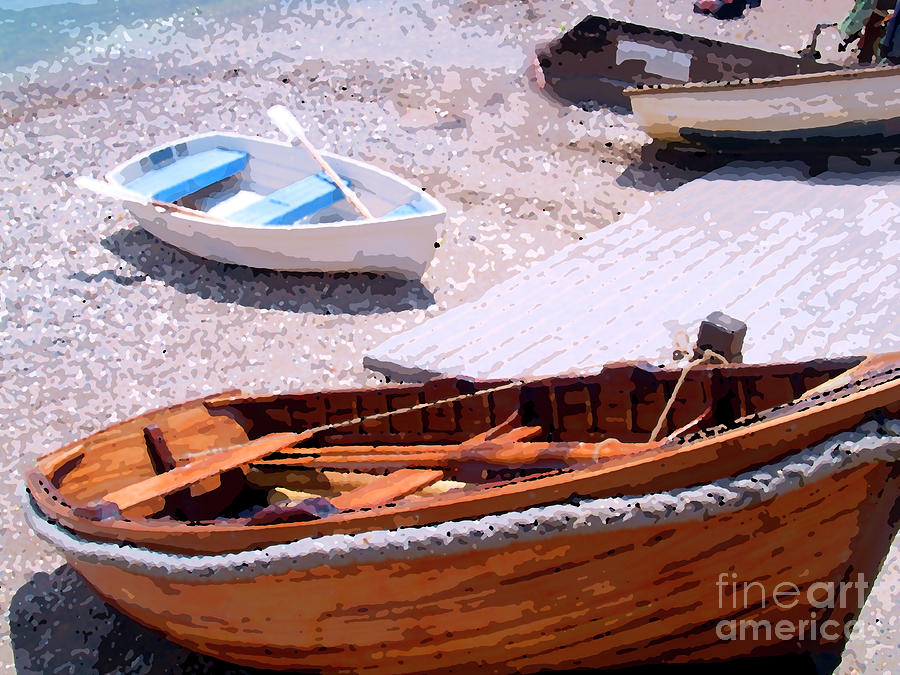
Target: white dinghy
x: 276, y: 205
x: 850, y: 103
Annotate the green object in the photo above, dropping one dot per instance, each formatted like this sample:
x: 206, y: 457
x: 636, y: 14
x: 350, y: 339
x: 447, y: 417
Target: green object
x: 855, y: 21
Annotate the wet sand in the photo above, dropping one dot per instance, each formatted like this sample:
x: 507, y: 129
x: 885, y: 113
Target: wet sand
x: 101, y: 320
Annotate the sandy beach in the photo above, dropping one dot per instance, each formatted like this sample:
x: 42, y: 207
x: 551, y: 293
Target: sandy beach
x: 101, y: 321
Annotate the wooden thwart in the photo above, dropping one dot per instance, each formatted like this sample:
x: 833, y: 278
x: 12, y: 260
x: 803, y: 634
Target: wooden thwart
x: 203, y: 467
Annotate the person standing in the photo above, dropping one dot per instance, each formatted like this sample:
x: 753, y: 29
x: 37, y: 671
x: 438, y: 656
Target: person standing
x: 865, y: 22
x: 890, y: 44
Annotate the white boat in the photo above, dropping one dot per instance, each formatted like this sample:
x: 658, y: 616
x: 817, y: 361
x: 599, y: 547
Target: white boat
x: 265, y: 203
x: 854, y: 103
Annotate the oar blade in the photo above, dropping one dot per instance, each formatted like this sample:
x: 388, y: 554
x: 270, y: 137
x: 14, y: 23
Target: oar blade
x: 286, y: 122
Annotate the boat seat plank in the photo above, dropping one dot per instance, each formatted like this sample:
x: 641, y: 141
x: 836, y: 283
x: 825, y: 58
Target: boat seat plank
x: 408, y: 209
x: 204, y: 467
x: 189, y: 174
x: 292, y: 203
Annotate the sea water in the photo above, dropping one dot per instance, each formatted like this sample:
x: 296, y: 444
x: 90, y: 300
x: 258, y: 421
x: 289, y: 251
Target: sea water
x: 36, y: 31
x: 72, y: 46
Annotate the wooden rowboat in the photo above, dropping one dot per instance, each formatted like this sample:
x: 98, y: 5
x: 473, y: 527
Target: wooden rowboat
x: 269, y: 204
x: 860, y: 103
x: 404, y: 528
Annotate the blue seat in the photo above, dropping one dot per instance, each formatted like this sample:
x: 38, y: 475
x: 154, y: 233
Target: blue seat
x: 291, y: 203
x: 189, y: 174
x: 409, y: 209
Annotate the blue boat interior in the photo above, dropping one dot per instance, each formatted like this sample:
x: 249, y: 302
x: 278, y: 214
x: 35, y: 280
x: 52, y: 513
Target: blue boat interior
x: 174, y: 178
x: 292, y: 203
x: 408, y: 209
x: 188, y: 174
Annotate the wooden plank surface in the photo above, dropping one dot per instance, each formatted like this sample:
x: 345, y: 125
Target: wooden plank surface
x: 387, y: 488
x: 810, y: 265
x: 198, y: 469
x: 664, y: 468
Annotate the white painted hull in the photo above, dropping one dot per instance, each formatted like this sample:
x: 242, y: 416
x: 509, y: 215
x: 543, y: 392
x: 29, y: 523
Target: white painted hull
x: 340, y: 241
x: 839, y: 103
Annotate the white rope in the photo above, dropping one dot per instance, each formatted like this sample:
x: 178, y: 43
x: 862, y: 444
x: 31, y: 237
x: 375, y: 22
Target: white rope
x: 708, y: 355
x: 382, y: 415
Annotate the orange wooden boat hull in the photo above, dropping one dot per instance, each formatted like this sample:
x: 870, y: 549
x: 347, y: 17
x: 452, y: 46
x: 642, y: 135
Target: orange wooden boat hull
x: 563, y: 597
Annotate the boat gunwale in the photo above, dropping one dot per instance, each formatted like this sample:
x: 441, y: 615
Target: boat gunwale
x: 867, y: 443
x: 169, y: 535
x: 437, y: 209
x: 664, y: 373
x: 50, y: 462
x: 764, y: 82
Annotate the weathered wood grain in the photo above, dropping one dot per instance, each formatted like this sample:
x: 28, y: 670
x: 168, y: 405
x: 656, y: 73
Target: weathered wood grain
x: 574, y: 600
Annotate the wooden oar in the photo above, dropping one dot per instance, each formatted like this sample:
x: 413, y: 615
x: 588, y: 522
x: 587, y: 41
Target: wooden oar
x: 294, y: 485
x: 107, y: 189
x: 386, y: 489
x: 290, y: 127
x: 380, y: 491
x: 404, y: 481
x: 121, y: 193
x: 446, y: 457
x: 400, y: 456
x: 186, y: 475
x: 517, y: 435
x: 871, y: 364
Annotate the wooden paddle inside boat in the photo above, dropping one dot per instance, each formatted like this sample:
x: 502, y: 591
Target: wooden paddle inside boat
x: 511, y: 444
x: 210, y: 465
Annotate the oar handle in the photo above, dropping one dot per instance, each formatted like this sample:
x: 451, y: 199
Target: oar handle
x: 870, y: 364
x: 113, y: 191
x: 107, y: 189
x: 288, y: 124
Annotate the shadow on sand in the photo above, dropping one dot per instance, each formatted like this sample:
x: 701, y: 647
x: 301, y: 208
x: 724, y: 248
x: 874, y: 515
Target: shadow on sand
x: 659, y: 159
x: 58, y: 624
x: 317, y: 292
